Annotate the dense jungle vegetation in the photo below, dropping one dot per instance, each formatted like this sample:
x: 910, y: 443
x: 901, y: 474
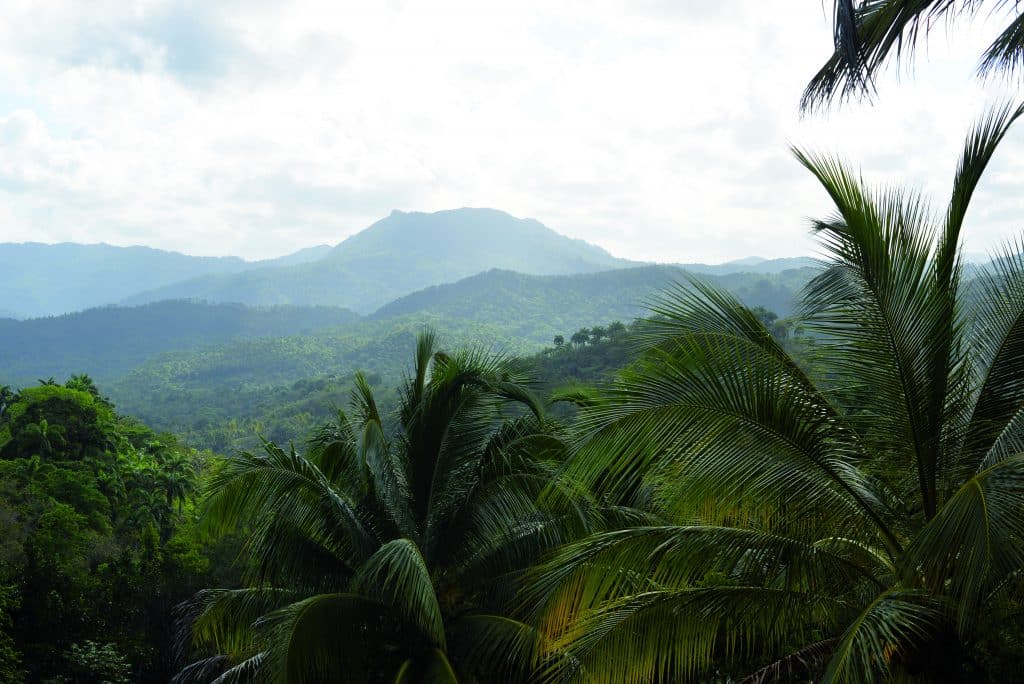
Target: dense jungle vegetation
x: 718, y: 490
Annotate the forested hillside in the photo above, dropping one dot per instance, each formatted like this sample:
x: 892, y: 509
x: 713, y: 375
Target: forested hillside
x: 98, y: 539
x: 110, y: 341
x: 535, y: 308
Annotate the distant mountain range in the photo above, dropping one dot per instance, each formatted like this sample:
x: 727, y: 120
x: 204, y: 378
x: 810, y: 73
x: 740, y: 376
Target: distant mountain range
x: 394, y: 257
x: 400, y: 254
x: 45, y: 280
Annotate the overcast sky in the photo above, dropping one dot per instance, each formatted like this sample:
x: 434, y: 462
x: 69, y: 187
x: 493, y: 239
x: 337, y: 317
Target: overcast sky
x: 658, y: 129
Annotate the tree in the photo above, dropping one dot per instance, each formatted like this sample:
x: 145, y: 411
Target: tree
x: 616, y: 329
x: 868, y: 33
x: 389, y: 555
x: 852, y: 526
x: 7, y: 397
x: 559, y: 341
x: 580, y: 337
x: 598, y: 333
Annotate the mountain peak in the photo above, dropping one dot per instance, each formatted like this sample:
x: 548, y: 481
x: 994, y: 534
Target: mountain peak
x: 479, y: 237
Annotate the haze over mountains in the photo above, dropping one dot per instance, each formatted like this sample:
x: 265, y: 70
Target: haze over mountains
x: 394, y: 257
x: 44, y: 280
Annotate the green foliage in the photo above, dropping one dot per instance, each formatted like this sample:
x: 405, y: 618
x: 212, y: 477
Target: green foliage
x: 390, y: 550
x: 10, y: 658
x: 859, y: 525
x: 97, y: 538
x: 90, y: 661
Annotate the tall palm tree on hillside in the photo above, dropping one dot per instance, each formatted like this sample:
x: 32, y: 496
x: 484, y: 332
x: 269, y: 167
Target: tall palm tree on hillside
x: 870, y: 33
x: 389, y: 556
x: 851, y: 525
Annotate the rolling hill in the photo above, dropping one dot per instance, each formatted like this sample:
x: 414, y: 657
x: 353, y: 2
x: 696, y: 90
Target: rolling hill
x: 109, y: 341
x: 535, y: 308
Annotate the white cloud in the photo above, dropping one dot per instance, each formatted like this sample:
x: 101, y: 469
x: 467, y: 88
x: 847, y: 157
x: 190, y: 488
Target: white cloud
x: 659, y: 130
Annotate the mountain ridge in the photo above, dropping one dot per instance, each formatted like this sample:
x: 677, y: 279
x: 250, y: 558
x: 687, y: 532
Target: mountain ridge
x: 400, y: 254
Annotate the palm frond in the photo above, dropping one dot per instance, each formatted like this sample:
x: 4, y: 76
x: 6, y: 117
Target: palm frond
x: 978, y: 150
x: 278, y: 484
x: 397, y: 577
x: 716, y: 422
x: 314, y: 639
x: 606, y: 566
x: 495, y: 647
x: 800, y: 665
x: 885, y: 319
x: 673, y: 635
x: 995, y: 430
x: 220, y: 621
x: 1006, y: 53
x: 866, y: 36
x: 974, y: 543
x: 890, y: 629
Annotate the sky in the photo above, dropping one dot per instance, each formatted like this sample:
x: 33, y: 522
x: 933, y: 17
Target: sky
x: 657, y: 129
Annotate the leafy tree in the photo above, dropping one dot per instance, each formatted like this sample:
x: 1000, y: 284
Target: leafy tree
x: 853, y: 526
x: 10, y: 659
x: 95, y: 543
x: 581, y: 337
x: 616, y: 329
x: 389, y: 555
x: 56, y: 422
x: 598, y: 333
x: 7, y: 397
x: 868, y: 33
x: 559, y: 341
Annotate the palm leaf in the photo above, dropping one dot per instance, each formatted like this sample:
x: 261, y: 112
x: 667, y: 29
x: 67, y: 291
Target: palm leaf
x: 888, y: 630
x: 397, y: 577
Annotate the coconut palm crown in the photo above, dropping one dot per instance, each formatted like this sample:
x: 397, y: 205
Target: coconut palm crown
x: 868, y: 34
x: 387, y: 556
x: 854, y: 519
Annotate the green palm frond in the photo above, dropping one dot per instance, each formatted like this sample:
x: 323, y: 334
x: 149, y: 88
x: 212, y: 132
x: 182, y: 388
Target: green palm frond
x: 974, y: 544
x: 884, y: 319
x: 995, y: 430
x: 888, y: 631
x: 980, y: 146
x: 724, y: 424
x: 314, y: 639
x: 258, y: 488
x: 1007, y: 51
x: 868, y: 34
x: 677, y: 633
x: 607, y: 565
x: 220, y: 620
x: 495, y: 647
x: 397, y: 576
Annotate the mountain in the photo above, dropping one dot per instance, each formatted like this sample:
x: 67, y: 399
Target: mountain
x: 398, y: 255
x: 41, y: 280
x: 107, y: 342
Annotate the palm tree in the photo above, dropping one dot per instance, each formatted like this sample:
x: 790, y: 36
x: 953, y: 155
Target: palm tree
x: 846, y: 526
x: 389, y: 556
x: 867, y: 33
